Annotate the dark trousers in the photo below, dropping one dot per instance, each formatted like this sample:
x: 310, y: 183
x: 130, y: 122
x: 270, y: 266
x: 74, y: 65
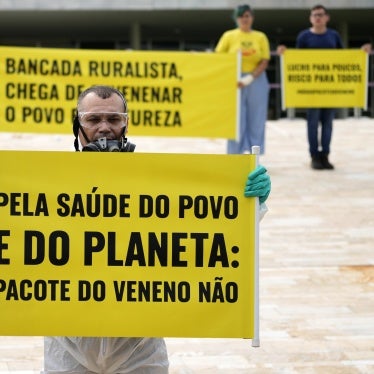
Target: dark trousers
x: 324, y: 116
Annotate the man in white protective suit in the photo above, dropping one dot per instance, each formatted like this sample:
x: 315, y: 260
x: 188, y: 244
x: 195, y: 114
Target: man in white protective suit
x: 101, y: 125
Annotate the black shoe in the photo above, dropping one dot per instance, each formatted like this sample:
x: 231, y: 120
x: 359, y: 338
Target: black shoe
x: 325, y: 162
x: 317, y: 163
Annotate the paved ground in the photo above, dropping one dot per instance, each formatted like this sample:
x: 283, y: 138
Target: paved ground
x: 317, y: 260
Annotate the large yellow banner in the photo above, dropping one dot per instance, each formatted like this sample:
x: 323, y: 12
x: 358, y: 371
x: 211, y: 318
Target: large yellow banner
x: 190, y: 94
x: 324, y: 78
x: 126, y: 244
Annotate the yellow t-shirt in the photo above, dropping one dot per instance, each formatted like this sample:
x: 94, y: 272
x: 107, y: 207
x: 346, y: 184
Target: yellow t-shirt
x: 254, y: 47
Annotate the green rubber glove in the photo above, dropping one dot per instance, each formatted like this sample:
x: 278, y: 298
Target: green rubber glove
x: 258, y: 184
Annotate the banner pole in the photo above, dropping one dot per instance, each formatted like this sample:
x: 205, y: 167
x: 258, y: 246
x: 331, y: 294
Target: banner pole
x: 238, y: 93
x: 365, y: 106
x: 256, y: 338
x: 283, y: 91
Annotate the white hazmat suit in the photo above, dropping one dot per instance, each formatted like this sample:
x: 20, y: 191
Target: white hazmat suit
x: 105, y: 355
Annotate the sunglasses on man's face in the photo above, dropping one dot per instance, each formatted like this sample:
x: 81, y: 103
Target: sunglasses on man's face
x: 319, y: 15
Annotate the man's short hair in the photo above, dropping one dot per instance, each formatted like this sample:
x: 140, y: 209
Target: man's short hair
x: 104, y: 92
x: 319, y: 6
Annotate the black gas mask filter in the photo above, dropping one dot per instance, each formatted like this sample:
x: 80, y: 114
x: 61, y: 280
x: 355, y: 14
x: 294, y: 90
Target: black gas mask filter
x: 105, y: 145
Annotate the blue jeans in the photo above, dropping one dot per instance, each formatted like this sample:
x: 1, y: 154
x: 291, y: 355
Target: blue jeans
x: 253, y: 115
x: 324, y: 116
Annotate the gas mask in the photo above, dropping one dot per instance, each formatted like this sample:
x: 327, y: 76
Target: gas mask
x: 105, y: 145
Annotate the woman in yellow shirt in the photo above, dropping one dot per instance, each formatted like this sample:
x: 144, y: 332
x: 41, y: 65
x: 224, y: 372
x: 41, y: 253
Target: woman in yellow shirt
x: 255, y: 51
